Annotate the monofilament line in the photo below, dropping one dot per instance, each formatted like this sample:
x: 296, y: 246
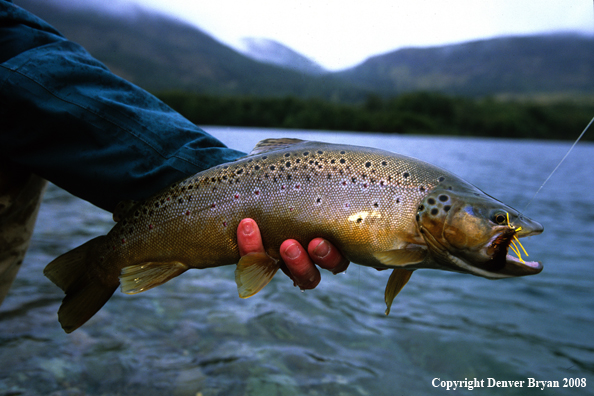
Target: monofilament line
x: 560, y: 162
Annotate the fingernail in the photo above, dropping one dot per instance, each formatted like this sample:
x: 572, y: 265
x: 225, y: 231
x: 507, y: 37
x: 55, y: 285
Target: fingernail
x: 322, y: 250
x: 247, y: 228
x: 292, y: 251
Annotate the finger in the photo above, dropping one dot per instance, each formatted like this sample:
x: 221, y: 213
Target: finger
x: 324, y: 254
x: 249, y: 239
x: 304, y: 272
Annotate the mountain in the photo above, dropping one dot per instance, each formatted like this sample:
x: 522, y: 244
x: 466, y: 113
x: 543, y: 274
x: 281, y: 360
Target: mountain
x: 275, y: 53
x: 526, y: 65
x: 160, y: 53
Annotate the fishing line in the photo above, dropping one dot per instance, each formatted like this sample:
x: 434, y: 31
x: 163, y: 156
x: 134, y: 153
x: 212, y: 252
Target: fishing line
x: 559, y: 164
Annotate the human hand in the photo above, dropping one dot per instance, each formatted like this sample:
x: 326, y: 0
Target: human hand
x: 300, y: 265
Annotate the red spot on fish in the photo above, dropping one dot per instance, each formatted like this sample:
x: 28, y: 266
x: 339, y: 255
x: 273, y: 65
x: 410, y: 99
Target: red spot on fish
x: 236, y: 196
x: 283, y: 187
x: 365, y: 185
x: 297, y: 186
x: 123, y: 240
x: 224, y: 224
x: 150, y: 227
x: 214, y: 205
x: 344, y: 183
x: 257, y: 192
x: 346, y: 205
x: 169, y: 199
x: 188, y: 213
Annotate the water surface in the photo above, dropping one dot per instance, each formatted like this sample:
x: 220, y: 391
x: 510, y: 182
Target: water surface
x: 194, y: 336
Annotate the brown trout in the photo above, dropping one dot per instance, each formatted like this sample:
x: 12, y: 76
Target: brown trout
x: 380, y: 209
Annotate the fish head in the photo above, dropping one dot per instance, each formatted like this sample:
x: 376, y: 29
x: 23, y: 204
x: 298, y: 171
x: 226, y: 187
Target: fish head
x: 469, y: 231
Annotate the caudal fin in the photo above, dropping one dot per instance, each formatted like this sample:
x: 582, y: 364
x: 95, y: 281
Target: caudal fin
x: 85, y: 292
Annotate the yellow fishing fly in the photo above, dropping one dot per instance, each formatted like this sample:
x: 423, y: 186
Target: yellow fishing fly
x: 513, y: 246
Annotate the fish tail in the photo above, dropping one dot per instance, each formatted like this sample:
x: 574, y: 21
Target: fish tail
x: 86, y: 293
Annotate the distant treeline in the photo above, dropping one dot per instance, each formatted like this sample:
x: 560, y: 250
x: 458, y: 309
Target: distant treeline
x: 419, y: 113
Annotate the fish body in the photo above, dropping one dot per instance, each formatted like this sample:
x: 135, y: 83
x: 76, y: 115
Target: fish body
x: 380, y: 209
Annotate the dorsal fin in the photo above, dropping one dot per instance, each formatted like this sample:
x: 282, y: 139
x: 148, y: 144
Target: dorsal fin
x: 122, y: 209
x: 266, y: 145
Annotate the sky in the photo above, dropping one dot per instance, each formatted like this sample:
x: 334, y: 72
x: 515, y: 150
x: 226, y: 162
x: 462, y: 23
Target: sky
x: 342, y: 33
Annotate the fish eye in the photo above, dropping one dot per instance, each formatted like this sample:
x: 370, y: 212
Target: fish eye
x: 499, y: 218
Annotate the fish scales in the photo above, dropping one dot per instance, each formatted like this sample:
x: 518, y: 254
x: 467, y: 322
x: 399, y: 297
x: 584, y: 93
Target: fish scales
x: 378, y: 208
x: 357, y: 198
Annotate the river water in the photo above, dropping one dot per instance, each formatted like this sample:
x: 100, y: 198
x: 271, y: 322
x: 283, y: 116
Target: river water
x: 194, y: 336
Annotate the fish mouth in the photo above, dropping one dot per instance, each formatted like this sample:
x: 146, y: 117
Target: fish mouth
x: 504, y: 264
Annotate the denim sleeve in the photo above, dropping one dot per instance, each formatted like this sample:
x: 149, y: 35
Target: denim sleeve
x: 67, y: 118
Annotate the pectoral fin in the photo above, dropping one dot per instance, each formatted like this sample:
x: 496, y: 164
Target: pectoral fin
x: 138, y: 278
x: 398, y: 279
x: 253, y: 272
x: 401, y: 257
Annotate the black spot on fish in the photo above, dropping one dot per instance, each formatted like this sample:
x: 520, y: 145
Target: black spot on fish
x: 343, y: 152
x: 421, y: 208
x: 342, y: 160
x: 422, y: 188
x: 289, y: 177
x: 288, y: 164
x: 180, y: 200
x: 375, y: 205
x: 447, y: 208
x: 359, y: 220
x: 305, y: 153
x: 418, y: 218
x: 368, y: 164
x: 226, y: 166
x: 431, y: 201
x: 434, y: 211
x: 443, y: 198
x: 333, y: 161
x: 441, y: 178
x: 397, y: 200
x: 298, y: 160
x: 384, y: 163
x: 405, y: 175
x: 287, y: 155
x: 239, y: 171
x: 354, y: 179
x: 257, y: 167
x: 265, y: 157
x: 272, y: 167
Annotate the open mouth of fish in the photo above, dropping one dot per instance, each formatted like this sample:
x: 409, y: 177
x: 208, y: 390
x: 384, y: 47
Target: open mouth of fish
x: 503, y: 261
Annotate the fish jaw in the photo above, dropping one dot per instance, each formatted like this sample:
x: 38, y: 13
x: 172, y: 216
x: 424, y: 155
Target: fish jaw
x: 468, y: 231
x: 499, y: 249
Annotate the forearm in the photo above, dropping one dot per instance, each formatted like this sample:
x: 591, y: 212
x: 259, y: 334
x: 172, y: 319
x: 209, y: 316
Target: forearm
x: 67, y: 118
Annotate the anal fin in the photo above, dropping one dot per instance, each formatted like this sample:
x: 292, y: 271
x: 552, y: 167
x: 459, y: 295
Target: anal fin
x: 253, y: 272
x: 140, y: 277
x: 397, y: 281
